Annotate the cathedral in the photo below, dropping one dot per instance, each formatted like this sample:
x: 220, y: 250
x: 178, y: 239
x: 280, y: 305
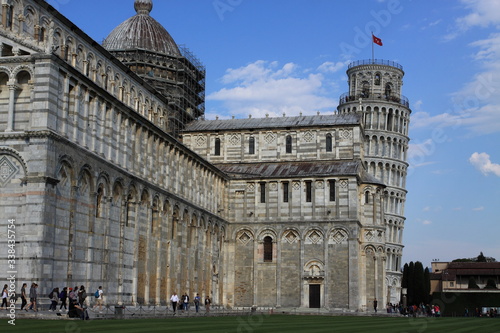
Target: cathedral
x: 113, y: 177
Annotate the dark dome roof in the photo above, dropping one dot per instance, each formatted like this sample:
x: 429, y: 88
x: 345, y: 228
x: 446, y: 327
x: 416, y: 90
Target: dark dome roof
x: 141, y: 32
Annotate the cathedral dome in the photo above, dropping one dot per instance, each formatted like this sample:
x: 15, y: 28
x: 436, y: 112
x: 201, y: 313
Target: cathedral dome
x: 141, y: 32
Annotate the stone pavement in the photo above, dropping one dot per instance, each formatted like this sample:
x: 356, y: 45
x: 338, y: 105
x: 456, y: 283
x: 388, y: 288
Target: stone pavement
x: 133, y: 312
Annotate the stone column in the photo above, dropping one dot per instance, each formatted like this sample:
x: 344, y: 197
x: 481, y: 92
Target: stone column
x: 12, y: 99
x: 5, y: 13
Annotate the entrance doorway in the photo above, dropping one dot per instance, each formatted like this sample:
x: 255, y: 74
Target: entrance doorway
x: 314, y: 296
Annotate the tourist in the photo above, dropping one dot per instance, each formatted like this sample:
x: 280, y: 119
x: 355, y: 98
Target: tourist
x: 76, y: 311
x: 99, y: 299
x: 207, y: 304
x: 75, y: 295
x: 174, y: 299
x: 375, y: 303
x: 197, y: 300
x: 33, y: 297
x: 23, y: 296
x: 63, y: 296
x: 186, y: 302
x: 5, y: 295
x: 82, y: 295
x: 54, y: 298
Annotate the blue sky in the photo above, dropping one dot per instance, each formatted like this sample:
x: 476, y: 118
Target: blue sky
x: 290, y: 56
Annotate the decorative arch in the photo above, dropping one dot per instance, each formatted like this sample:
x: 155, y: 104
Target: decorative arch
x: 290, y: 236
x: 20, y: 69
x: 13, y: 166
x: 314, y: 236
x: 314, y: 268
x: 244, y: 236
x: 338, y: 236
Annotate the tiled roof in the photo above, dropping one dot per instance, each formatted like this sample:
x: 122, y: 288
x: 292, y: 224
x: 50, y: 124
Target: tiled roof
x: 297, y: 169
x: 273, y: 122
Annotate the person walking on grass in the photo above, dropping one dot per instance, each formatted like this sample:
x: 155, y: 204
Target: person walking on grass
x: 197, y: 300
x: 54, y: 298
x: 23, y: 296
x: 82, y: 295
x: 63, y: 296
x: 174, y: 299
x: 33, y: 297
x: 99, y: 299
x: 5, y: 295
x: 207, y: 304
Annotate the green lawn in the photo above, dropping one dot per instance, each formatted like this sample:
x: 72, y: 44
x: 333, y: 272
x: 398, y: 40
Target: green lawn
x: 261, y: 324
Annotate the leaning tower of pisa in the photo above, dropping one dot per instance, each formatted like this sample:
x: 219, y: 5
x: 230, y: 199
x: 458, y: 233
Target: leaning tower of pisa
x: 375, y: 91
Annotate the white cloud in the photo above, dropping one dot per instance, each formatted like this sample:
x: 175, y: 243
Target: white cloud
x: 332, y: 67
x: 263, y: 87
x: 482, y: 162
x: 478, y: 209
x: 475, y: 107
x: 483, y: 13
x: 426, y: 222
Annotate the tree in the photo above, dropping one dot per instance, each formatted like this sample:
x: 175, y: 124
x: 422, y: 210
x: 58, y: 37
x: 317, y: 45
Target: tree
x: 411, y: 285
x: 473, y: 284
x: 490, y: 284
x: 417, y: 283
x: 427, y: 285
x: 481, y: 258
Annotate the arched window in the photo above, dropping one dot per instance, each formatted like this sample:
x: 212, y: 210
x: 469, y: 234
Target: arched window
x: 251, y: 145
x: 388, y: 90
x: 98, y: 206
x: 367, y: 197
x: 366, y: 90
x: 268, y: 249
x: 329, y: 143
x: 288, y: 144
x: 377, y: 79
x: 217, y: 147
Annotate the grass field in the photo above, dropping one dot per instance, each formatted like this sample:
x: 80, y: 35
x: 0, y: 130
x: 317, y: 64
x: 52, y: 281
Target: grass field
x: 261, y: 324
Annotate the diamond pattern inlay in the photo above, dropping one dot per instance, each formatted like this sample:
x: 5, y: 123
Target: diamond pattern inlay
x: 7, y: 170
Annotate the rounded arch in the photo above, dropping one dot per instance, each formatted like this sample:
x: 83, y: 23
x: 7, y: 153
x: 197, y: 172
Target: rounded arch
x: 314, y: 235
x: 22, y: 72
x: 65, y: 170
x: 118, y: 190
x: 241, y: 231
x: 132, y: 193
x: 145, y: 197
x: 267, y: 232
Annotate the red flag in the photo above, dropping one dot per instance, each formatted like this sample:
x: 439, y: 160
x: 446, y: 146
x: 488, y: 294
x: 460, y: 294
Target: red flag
x: 377, y: 40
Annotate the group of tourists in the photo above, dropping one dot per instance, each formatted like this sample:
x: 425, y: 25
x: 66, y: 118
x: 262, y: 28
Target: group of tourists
x: 183, y: 303
x: 415, y: 310
x: 73, y: 300
x: 24, y: 297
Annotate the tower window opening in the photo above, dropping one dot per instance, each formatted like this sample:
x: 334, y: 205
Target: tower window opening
x: 308, y: 191
x: 329, y: 143
x: 288, y: 144
x: 268, y: 249
x: 286, y: 188
x: 331, y: 182
x: 366, y: 90
x: 262, y: 192
x: 388, y: 90
x: 377, y: 79
x: 367, y: 197
x: 251, y: 145
x: 217, y: 147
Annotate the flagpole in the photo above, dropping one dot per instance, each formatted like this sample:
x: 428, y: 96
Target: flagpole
x: 373, y: 51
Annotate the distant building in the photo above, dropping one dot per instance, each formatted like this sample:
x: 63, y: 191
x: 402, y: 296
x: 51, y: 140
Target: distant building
x: 113, y: 177
x: 455, y: 276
